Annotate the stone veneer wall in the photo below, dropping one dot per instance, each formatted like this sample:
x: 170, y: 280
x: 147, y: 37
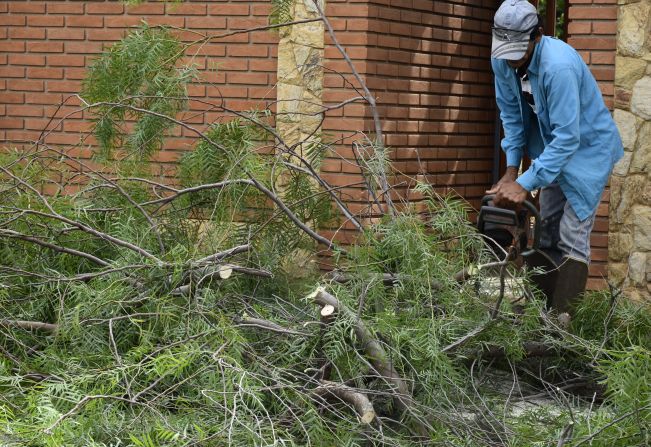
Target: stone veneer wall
x: 630, y: 210
x: 300, y: 76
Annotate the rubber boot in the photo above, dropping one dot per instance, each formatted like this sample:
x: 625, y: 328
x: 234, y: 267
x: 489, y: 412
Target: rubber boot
x: 570, y: 283
x: 544, y: 272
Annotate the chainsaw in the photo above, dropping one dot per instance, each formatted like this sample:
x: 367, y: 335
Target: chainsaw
x: 508, y: 232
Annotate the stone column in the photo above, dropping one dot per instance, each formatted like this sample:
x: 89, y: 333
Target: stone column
x: 629, y: 243
x: 299, y: 90
x: 300, y: 76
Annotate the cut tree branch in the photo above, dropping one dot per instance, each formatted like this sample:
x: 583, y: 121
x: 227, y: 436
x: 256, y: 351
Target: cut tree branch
x: 359, y: 401
x: 70, y: 251
x: 31, y: 325
x: 375, y: 353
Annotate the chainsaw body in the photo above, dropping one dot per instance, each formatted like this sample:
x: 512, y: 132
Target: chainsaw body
x: 505, y: 230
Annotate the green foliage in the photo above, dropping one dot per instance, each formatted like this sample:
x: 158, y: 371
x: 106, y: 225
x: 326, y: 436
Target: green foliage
x: 137, y: 81
x: 281, y: 11
x: 560, y: 17
x: 628, y: 378
x: 152, y: 350
x: 225, y: 152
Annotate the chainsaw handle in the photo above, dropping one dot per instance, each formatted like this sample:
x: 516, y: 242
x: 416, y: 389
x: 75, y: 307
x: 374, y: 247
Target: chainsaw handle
x: 534, y: 212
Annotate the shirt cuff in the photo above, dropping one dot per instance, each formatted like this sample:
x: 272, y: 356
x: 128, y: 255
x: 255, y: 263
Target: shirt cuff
x: 528, y: 180
x: 513, y: 158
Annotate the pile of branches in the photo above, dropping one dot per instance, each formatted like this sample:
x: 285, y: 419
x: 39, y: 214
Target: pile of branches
x: 139, y: 311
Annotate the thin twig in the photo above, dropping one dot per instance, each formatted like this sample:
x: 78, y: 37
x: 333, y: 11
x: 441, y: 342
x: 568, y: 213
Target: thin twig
x: 81, y: 404
x: 247, y: 321
x: 70, y: 251
x: 611, y: 423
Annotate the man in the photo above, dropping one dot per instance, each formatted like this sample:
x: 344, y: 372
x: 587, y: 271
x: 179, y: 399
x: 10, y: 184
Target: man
x: 551, y: 106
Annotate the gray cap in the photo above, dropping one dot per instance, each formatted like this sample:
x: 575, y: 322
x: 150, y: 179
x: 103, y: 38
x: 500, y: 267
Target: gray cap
x: 512, y: 26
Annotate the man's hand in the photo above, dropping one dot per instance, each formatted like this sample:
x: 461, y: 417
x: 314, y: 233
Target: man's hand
x: 509, y: 194
x: 507, y: 191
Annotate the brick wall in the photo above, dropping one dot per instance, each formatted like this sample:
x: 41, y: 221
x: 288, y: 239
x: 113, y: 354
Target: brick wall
x: 592, y: 30
x: 427, y: 63
x: 46, y: 45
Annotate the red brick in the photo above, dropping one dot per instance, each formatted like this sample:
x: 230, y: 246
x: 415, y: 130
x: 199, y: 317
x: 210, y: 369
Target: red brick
x: 25, y: 85
x: 105, y: 8
x: 264, y: 37
x: 235, y: 23
x: 261, y: 92
x: 26, y: 59
x: 12, y: 47
x: 260, y: 10
x: 147, y: 8
x: 596, y: 12
x: 85, y: 21
x: 35, y: 124
x: 209, y: 50
x: 22, y: 136
x: 105, y: 35
x: 65, y: 8
x: 63, y: 138
x: 65, y: 34
x: 234, y: 38
x: 64, y: 86
x: 28, y: 7
x: 247, y: 78
x: 75, y: 73
x: 348, y: 10
x: 45, y: 73
x: 12, y: 123
x: 263, y: 65
x: 45, y: 47
x: 609, y: 28
x: 218, y: 77
x: 122, y: 21
x: 176, y: 21
x: 605, y: 58
x: 66, y: 60
x: 77, y: 126
x: 83, y: 47
x: 45, y: 21
x: 248, y: 51
x: 11, y: 97
x: 24, y: 110
x: 603, y: 74
x: 186, y: 9
x: 12, y: 72
x: 206, y: 22
x: 196, y: 90
x: 26, y: 33
x: 229, y: 9
x: 232, y: 64
x: 593, y: 43
x: 579, y: 28
x: 6, y: 20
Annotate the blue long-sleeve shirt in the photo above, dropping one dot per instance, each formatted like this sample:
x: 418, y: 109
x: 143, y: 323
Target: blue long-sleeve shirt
x: 572, y: 138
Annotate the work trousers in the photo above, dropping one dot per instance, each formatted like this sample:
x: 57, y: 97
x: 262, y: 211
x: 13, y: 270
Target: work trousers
x: 563, y: 234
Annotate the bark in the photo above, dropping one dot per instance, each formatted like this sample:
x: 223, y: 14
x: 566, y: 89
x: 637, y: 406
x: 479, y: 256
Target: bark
x: 359, y: 401
x: 377, y: 355
x: 31, y: 325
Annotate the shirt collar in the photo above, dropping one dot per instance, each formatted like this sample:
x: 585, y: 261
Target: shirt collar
x: 535, y: 60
